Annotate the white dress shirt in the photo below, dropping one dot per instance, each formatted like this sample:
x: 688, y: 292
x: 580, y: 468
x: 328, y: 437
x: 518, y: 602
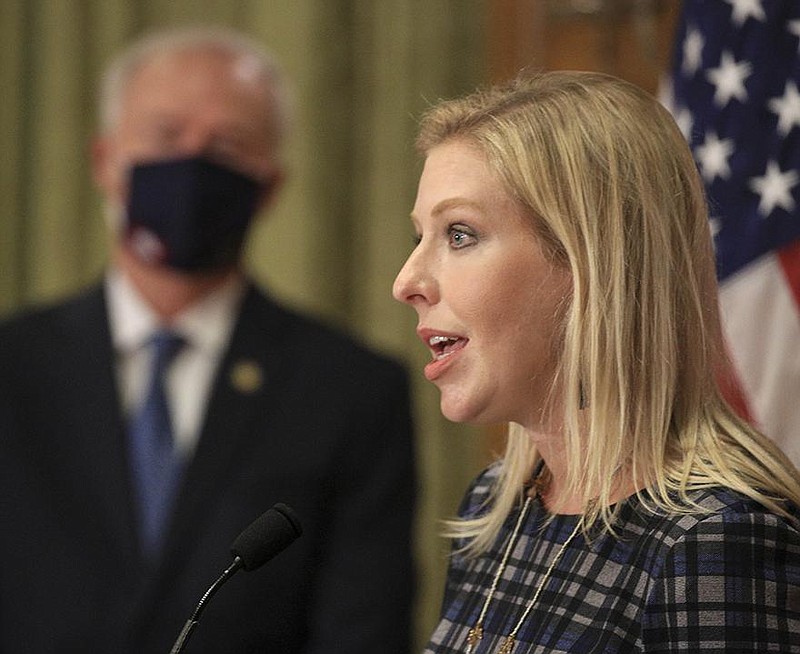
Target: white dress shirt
x: 206, y: 328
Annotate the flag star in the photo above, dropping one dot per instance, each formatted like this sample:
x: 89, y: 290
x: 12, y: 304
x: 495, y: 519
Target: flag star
x: 713, y: 157
x: 775, y: 189
x: 729, y: 79
x: 715, y: 225
x: 682, y: 116
x: 787, y: 108
x: 794, y: 28
x: 666, y: 93
x: 692, y: 51
x: 685, y: 121
x: 743, y: 9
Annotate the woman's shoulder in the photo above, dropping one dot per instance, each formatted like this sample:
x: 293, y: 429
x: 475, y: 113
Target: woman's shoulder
x: 719, y: 527
x: 717, y: 513
x: 727, y: 506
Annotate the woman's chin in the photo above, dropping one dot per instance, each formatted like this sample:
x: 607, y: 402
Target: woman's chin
x: 462, y: 411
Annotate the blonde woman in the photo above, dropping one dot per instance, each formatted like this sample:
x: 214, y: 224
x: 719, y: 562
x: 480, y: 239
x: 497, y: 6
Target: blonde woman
x: 564, y: 282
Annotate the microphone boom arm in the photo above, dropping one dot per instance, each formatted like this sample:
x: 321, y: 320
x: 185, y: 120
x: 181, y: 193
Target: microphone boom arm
x: 191, y: 623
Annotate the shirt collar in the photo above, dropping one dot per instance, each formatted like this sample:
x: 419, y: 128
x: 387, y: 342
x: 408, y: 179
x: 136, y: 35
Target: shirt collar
x: 206, y: 324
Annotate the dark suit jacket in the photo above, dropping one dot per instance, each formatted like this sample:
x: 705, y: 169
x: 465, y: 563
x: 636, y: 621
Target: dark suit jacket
x: 327, y: 431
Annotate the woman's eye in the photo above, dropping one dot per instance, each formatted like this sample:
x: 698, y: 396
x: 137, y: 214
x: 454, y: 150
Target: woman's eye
x: 460, y: 237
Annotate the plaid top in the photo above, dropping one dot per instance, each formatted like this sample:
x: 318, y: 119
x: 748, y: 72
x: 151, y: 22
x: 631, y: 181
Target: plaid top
x: 725, y: 581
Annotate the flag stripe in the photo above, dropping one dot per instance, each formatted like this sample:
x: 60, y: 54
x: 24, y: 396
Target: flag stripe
x: 758, y: 307
x: 790, y: 261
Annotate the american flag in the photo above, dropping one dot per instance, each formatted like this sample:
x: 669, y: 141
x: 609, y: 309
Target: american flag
x: 735, y: 93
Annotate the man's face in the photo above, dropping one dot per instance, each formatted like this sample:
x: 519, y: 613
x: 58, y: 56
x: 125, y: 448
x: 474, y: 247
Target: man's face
x: 186, y: 104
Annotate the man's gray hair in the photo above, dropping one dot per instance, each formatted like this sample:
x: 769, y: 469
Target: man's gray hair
x: 121, y: 69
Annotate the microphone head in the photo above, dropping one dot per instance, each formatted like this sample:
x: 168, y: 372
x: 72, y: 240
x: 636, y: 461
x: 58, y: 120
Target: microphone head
x: 269, y: 534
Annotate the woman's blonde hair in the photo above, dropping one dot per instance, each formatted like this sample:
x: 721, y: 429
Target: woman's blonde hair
x: 614, y: 194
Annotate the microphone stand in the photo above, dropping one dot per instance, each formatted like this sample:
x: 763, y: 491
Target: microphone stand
x: 191, y: 623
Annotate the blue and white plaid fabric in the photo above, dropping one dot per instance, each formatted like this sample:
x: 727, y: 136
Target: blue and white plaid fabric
x: 724, y: 581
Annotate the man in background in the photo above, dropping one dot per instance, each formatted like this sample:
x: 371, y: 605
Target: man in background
x: 146, y: 422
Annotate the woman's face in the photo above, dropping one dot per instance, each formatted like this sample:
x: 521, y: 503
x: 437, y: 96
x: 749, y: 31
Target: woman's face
x: 486, y: 296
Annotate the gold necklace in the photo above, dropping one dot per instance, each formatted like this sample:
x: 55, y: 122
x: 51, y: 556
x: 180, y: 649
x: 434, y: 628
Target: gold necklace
x: 475, y: 634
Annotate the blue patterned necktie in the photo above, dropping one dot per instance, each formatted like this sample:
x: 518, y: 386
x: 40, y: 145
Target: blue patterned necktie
x: 155, y: 465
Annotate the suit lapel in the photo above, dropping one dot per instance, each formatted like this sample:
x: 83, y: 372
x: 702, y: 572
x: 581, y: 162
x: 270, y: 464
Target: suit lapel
x: 241, y: 387
x: 97, y: 446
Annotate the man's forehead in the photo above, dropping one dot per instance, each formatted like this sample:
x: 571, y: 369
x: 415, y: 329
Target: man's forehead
x: 241, y: 66
x: 248, y: 69
x: 199, y: 73
x: 229, y: 88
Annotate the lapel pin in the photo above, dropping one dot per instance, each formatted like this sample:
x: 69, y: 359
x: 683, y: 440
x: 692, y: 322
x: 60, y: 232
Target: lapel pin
x: 246, y: 376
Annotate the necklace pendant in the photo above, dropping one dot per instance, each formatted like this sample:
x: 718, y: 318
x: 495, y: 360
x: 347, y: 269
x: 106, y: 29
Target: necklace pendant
x: 507, y: 645
x: 474, y: 636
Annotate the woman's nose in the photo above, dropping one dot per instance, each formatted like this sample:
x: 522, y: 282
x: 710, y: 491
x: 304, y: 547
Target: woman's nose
x: 414, y: 283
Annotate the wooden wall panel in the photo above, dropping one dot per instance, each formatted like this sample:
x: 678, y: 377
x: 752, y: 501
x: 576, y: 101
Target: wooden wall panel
x: 628, y: 38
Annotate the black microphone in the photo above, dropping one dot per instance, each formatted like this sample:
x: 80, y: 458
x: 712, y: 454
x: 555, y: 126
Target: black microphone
x: 269, y: 534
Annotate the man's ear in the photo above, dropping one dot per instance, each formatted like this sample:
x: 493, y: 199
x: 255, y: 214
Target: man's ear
x: 100, y: 156
x: 270, y: 189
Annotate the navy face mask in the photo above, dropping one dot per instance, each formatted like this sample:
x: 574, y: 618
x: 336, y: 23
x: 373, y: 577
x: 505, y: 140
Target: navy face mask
x: 189, y: 214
